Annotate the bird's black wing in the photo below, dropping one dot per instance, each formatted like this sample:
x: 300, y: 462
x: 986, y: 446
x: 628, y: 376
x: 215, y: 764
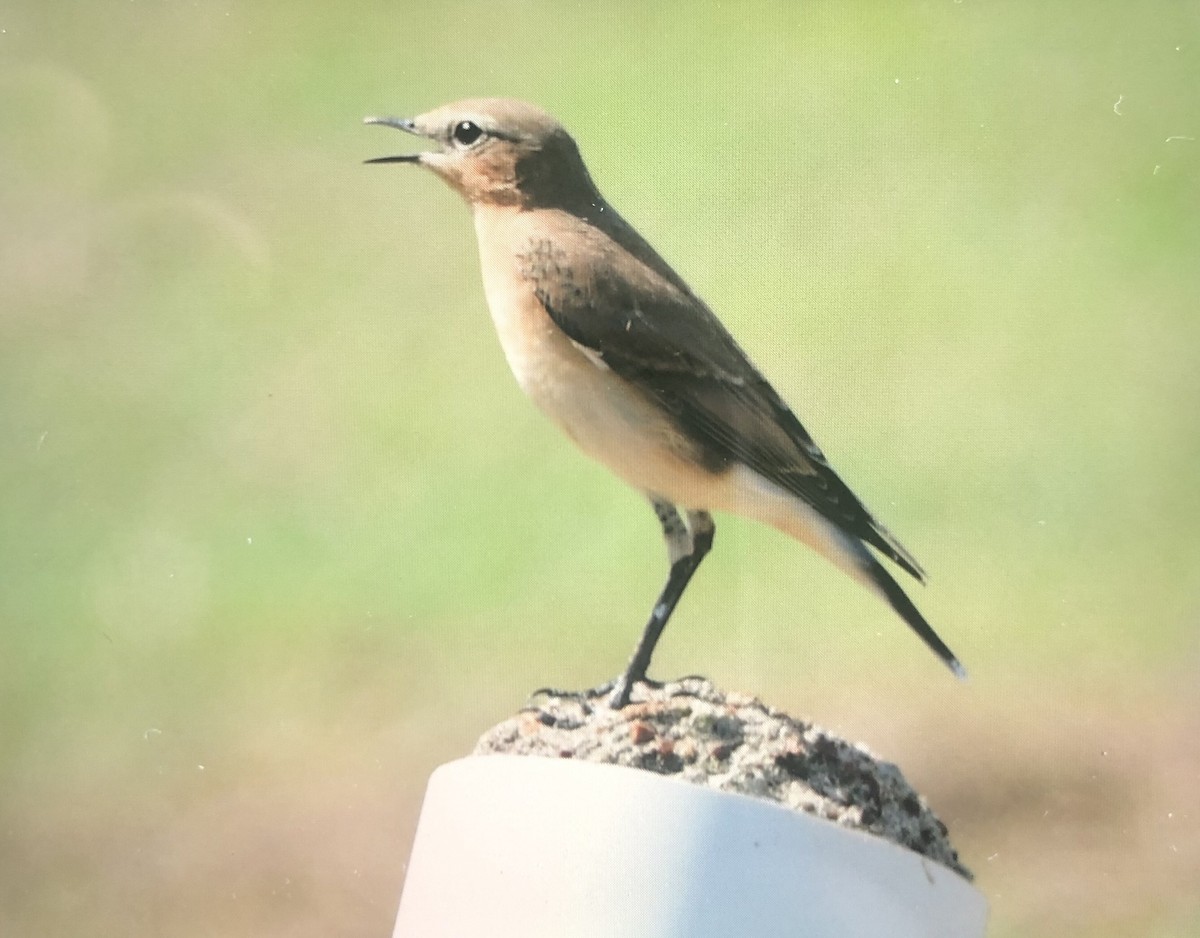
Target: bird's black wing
x: 630, y: 310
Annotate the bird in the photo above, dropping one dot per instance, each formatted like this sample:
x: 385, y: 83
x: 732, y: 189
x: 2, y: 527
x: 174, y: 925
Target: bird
x: 612, y: 344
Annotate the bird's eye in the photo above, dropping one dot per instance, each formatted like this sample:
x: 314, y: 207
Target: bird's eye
x: 466, y: 132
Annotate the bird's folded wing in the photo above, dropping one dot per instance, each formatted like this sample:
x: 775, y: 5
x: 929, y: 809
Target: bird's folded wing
x: 662, y: 339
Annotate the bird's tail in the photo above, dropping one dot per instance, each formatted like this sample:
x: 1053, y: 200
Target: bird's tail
x: 853, y: 556
x: 892, y: 547
x: 883, y: 583
x: 756, y: 497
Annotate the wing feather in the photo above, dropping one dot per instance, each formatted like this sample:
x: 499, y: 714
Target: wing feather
x: 630, y: 311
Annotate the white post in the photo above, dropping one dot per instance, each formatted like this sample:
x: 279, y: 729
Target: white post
x: 522, y: 847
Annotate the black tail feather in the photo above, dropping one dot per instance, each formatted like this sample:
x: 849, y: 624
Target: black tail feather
x: 908, y: 612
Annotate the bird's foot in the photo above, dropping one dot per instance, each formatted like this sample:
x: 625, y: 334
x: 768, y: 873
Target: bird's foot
x: 616, y: 692
x: 620, y: 691
x: 689, y: 679
x: 582, y: 696
x: 585, y: 697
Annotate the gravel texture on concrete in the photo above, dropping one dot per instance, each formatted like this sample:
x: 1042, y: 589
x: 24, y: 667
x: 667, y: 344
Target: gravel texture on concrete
x: 732, y: 742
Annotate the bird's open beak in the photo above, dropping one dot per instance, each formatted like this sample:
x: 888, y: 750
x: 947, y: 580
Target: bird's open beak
x: 400, y: 123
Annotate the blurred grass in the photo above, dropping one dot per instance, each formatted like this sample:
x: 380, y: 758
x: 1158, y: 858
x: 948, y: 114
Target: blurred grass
x: 257, y: 517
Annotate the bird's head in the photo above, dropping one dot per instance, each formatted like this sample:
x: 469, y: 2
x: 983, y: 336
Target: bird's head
x: 496, y: 151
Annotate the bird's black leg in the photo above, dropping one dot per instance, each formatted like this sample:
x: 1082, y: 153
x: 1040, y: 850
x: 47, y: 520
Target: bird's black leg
x: 686, y: 546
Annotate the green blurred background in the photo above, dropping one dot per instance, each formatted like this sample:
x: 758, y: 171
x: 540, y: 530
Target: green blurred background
x: 279, y: 534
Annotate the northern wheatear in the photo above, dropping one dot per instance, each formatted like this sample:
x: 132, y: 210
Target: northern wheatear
x: 611, y: 343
